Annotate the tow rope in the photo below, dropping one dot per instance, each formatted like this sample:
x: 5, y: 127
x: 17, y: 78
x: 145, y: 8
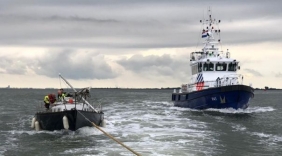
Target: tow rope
x: 110, y: 136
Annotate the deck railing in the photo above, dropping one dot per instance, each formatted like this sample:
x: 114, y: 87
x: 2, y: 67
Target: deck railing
x: 227, y: 80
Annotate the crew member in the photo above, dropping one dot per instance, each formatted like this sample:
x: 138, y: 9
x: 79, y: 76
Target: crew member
x: 61, y: 94
x: 47, y: 102
x: 49, y: 99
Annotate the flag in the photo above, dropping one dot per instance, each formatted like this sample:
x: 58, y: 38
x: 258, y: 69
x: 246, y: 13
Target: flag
x: 205, y: 34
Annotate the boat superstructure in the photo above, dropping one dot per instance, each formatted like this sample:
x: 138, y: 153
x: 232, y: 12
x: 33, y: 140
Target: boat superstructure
x: 214, y: 82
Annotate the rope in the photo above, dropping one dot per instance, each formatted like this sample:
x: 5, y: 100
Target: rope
x: 108, y: 135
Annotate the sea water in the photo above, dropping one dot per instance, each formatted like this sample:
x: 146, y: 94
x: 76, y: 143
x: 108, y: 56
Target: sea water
x: 147, y: 122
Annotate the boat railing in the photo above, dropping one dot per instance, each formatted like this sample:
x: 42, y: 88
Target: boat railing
x: 227, y: 80
x: 97, y: 106
x: 40, y: 107
x: 231, y: 79
x: 195, y: 56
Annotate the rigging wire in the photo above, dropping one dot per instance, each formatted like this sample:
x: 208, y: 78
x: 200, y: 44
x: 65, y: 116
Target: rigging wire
x: 65, y: 84
x: 219, y: 37
x: 60, y: 82
x: 199, y: 37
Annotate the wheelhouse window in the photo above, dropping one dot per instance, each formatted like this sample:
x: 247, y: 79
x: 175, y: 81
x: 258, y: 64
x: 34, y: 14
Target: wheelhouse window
x: 232, y: 66
x: 208, y: 66
x: 194, y: 69
x: 211, y: 66
x: 220, y: 67
x: 200, y: 67
x: 205, y: 67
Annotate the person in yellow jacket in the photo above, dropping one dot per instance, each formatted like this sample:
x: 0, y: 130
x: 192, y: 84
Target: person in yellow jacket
x: 47, y: 102
x: 49, y: 99
x: 61, y: 94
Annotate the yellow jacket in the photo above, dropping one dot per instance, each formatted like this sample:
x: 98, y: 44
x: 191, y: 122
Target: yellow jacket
x: 46, y: 99
x: 62, y: 96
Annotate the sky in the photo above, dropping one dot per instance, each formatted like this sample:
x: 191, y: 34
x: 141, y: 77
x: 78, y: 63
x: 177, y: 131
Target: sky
x: 132, y: 43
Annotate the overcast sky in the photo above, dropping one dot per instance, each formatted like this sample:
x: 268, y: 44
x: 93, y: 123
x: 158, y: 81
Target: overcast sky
x: 132, y: 43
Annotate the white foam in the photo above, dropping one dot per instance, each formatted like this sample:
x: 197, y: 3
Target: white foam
x: 268, y: 138
x: 78, y: 150
x: 150, y: 127
x: 185, y: 109
x: 238, y: 128
x: 243, y: 111
x: 31, y: 132
x: 88, y: 131
x: 162, y: 103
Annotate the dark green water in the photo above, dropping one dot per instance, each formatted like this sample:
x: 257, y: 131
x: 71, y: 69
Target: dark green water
x: 146, y: 121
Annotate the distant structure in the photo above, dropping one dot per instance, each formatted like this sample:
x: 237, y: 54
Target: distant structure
x: 8, y: 86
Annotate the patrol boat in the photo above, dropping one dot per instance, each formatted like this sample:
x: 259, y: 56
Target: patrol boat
x: 72, y: 113
x: 214, y: 82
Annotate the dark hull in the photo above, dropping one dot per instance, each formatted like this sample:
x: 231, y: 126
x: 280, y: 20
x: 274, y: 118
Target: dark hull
x: 54, y: 120
x: 234, y: 96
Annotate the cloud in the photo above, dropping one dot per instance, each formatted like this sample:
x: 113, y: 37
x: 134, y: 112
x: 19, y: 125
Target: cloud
x: 155, y: 67
x: 278, y: 74
x: 71, y: 64
x: 127, y: 28
x: 75, y: 65
x: 133, y: 24
x: 11, y: 66
x: 254, y: 72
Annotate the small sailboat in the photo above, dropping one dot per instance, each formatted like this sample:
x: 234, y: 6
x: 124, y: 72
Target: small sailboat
x: 72, y: 113
x: 214, y: 82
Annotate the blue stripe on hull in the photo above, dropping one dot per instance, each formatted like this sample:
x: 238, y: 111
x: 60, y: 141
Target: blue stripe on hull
x: 223, y: 97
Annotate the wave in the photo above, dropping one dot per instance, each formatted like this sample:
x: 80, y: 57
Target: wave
x: 249, y: 110
x: 163, y: 103
x: 268, y: 138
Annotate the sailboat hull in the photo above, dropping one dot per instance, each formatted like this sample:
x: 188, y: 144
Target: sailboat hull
x: 234, y: 96
x: 76, y: 119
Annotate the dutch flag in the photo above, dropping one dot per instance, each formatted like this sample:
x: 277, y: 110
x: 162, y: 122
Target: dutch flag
x: 205, y: 34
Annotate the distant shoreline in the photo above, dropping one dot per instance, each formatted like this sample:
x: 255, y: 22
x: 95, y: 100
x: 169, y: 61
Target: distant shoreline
x: 167, y: 88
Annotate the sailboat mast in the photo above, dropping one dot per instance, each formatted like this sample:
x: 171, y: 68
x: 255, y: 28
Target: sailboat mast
x: 76, y: 91
x: 67, y: 83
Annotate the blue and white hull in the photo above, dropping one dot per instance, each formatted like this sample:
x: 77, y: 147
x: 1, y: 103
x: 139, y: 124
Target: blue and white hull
x: 233, y: 96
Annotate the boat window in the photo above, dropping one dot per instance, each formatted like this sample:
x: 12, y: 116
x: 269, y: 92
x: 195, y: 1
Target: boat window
x: 194, y: 69
x: 192, y: 56
x: 232, y: 66
x: 210, y: 67
x: 173, y: 98
x: 200, y: 67
x: 205, y: 67
x: 220, y: 67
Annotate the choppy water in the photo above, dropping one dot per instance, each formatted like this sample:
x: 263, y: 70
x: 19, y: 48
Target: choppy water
x: 146, y: 121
